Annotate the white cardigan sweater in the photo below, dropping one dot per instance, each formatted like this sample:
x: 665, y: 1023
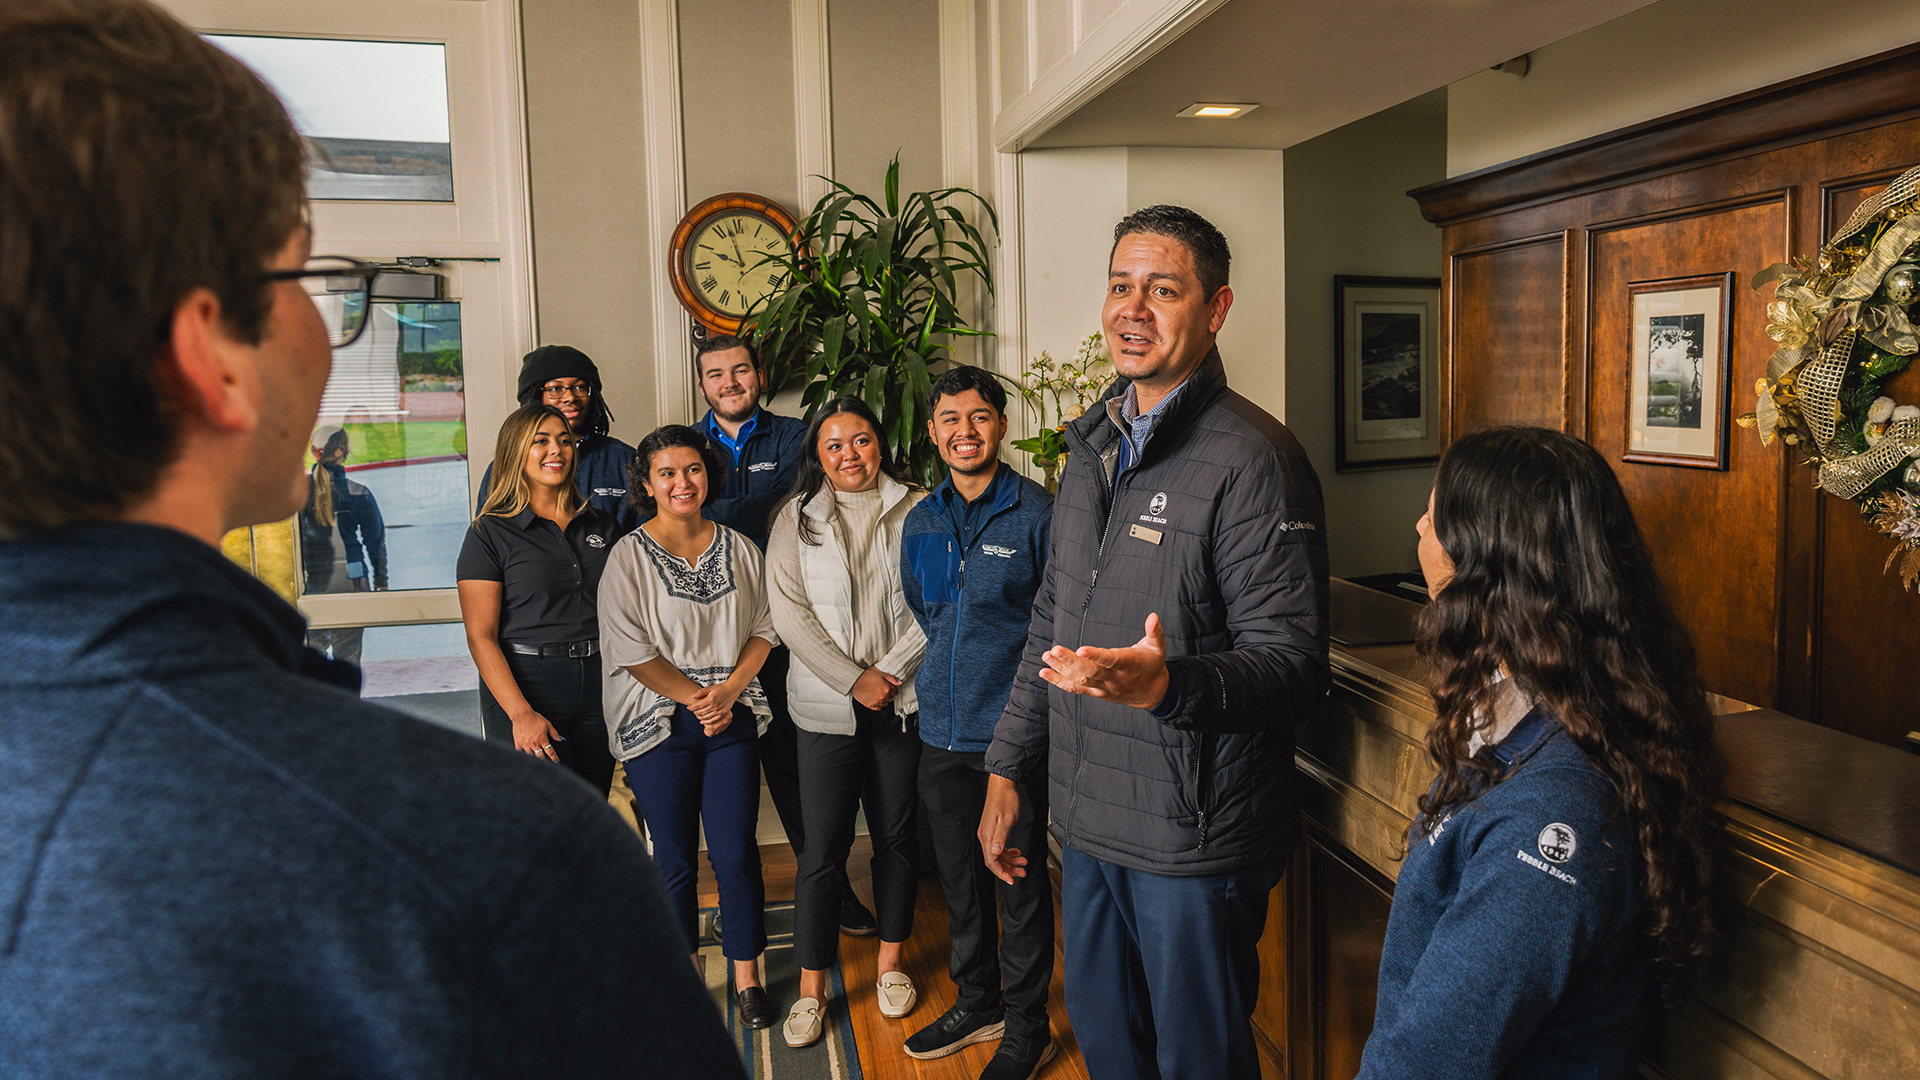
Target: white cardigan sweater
x: 810, y: 588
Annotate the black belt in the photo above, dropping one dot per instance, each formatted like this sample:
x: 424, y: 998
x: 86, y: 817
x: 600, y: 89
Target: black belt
x: 571, y: 648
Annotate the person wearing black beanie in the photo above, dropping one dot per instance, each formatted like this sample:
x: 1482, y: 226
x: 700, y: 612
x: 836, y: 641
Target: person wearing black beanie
x: 567, y: 379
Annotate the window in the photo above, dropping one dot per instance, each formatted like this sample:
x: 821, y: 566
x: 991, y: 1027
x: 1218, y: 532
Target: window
x: 374, y: 113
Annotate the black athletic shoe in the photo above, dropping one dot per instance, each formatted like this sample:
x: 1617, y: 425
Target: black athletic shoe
x: 955, y: 1030
x: 1021, y: 1057
x: 855, y: 919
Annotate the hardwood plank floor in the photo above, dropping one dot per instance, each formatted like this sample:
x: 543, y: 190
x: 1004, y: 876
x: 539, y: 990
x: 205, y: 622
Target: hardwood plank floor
x: 879, y: 1039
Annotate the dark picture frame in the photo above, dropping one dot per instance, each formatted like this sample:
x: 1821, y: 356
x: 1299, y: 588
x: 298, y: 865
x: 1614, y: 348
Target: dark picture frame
x: 1386, y: 372
x: 1678, y: 372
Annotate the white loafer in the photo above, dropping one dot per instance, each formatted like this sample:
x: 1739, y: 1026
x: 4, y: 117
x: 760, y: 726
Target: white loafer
x: 897, y: 995
x: 806, y: 1022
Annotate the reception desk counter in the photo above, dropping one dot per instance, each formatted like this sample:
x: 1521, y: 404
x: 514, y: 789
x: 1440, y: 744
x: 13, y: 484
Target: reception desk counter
x: 1819, y: 972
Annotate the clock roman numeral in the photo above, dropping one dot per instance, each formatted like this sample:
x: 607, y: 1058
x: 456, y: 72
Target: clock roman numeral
x: 703, y: 265
x: 725, y: 294
x: 774, y: 279
x: 709, y: 283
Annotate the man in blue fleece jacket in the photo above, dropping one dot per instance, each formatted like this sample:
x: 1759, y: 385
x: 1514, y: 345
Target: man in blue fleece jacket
x: 971, y: 558
x: 215, y: 860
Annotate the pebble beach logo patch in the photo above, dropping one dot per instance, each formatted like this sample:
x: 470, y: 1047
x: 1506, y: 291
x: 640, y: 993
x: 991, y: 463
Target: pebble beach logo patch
x: 1557, y: 843
x: 594, y: 540
x: 1158, y: 504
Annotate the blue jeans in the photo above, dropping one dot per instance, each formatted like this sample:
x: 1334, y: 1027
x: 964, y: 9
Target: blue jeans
x: 1162, y: 972
x: 691, y: 780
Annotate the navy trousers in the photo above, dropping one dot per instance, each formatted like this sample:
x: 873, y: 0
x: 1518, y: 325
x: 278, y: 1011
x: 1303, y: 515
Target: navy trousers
x: 1162, y: 972
x: 691, y: 780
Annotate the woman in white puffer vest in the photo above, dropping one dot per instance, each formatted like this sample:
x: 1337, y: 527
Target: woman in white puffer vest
x: 833, y: 570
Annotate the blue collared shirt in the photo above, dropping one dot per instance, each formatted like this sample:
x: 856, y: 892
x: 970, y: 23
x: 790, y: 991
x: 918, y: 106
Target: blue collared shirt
x: 732, y: 444
x: 1137, y: 427
x: 967, y: 517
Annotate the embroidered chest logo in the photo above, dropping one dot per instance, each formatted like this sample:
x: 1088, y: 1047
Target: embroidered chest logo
x: 998, y: 551
x: 1557, y: 843
x: 614, y: 492
x: 763, y: 466
x: 703, y: 583
x: 1159, y: 503
x: 596, y: 540
x: 1296, y: 526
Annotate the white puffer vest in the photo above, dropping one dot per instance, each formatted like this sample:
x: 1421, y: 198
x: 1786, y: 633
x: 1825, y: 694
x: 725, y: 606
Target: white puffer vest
x: 816, y: 706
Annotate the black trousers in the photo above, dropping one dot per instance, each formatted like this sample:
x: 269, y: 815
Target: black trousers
x: 565, y: 690
x: 1013, y: 963
x: 780, y: 756
x: 878, y: 765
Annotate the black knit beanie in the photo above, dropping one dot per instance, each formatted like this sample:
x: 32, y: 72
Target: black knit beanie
x: 550, y: 362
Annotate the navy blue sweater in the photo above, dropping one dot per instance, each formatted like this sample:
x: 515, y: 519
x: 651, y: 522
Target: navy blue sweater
x: 217, y: 862
x: 1515, y: 947
x: 600, y: 472
x: 974, y: 604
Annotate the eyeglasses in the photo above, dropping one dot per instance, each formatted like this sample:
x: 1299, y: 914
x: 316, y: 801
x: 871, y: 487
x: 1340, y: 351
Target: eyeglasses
x: 556, y: 391
x: 341, y: 288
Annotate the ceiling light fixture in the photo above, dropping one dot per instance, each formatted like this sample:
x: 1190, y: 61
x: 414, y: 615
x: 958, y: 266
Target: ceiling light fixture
x: 1218, y: 110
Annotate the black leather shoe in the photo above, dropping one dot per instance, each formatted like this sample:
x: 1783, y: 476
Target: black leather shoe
x: 756, y: 1011
x: 855, y: 919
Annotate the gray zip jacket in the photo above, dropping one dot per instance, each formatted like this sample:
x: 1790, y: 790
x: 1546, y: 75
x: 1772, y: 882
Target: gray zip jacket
x: 1218, y: 526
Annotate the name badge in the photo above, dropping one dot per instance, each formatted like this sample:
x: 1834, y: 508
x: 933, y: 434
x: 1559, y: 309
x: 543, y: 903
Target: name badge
x: 1151, y: 536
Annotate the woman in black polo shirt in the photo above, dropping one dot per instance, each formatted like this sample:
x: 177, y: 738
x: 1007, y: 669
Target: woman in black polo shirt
x: 528, y: 575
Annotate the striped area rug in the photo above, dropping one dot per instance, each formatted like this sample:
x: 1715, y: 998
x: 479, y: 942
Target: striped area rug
x: 766, y: 1053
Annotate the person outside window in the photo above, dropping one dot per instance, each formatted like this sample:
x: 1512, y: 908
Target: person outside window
x: 343, y: 539
x: 220, y: 862
x: 528, y: 578
x: 833, y: 563
x: 971, y: 558
x: 683, y: 613
x: 1563, y: 861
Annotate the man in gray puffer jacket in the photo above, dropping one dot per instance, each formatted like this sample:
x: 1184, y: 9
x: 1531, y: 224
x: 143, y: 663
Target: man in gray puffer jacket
x: 1179, y: 635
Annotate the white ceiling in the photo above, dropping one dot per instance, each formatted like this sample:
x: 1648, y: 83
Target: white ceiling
x: 1314, y: 65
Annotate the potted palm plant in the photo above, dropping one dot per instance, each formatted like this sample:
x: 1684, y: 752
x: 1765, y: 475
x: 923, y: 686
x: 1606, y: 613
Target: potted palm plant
x: 871, y: 307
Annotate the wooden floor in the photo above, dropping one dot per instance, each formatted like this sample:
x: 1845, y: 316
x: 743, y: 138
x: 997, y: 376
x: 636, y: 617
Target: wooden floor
x: 879, y: 1039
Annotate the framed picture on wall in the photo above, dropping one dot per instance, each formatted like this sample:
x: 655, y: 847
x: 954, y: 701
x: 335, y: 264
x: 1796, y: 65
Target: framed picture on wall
x: 1677, y: 386
x: 1386, y: 375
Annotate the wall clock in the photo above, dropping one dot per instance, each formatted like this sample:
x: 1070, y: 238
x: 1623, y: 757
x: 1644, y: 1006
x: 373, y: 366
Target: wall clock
x: 719, y: 258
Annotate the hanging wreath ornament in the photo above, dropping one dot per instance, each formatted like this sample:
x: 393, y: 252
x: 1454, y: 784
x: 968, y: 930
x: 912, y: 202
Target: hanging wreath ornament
x: 1841, y: 319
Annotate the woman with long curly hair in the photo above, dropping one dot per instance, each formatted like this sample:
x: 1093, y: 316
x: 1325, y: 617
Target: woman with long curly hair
x: 1562, y: 861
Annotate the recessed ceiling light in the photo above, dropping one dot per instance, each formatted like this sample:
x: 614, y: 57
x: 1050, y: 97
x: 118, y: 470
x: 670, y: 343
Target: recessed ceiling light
x: 1218, y: 110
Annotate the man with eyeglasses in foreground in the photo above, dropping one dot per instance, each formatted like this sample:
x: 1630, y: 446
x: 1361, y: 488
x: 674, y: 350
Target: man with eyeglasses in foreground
x: 215, y: 861
x: 567, y: 379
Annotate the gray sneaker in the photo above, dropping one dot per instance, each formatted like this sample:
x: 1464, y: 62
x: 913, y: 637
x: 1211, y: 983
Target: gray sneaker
x: 1021, y: 1057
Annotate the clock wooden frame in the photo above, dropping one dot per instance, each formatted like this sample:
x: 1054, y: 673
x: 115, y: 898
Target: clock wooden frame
x: 707, y: 320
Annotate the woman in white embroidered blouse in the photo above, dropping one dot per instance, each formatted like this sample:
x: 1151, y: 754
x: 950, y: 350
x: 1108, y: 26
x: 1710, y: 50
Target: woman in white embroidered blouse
x: 684, y: 628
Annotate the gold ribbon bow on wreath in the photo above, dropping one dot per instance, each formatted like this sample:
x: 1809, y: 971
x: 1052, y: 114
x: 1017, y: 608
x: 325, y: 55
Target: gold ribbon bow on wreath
x: 1842, y: 321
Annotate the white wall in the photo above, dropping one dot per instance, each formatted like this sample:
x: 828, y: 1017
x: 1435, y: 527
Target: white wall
x: 1660, y: 59
x: 1071, y: 200
x: 1348, y: 213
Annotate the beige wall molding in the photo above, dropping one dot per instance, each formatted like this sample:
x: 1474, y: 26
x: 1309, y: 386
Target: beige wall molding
x: 812, y: 100
x: 1094, y: 53
x: 666, y: 199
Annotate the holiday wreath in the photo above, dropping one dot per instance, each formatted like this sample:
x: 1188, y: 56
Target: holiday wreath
x: 1841, y: 319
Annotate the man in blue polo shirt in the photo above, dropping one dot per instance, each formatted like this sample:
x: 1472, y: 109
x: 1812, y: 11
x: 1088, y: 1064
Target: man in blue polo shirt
x: 971, y: 558
x: 763, y: 451
x: 567, y: 379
